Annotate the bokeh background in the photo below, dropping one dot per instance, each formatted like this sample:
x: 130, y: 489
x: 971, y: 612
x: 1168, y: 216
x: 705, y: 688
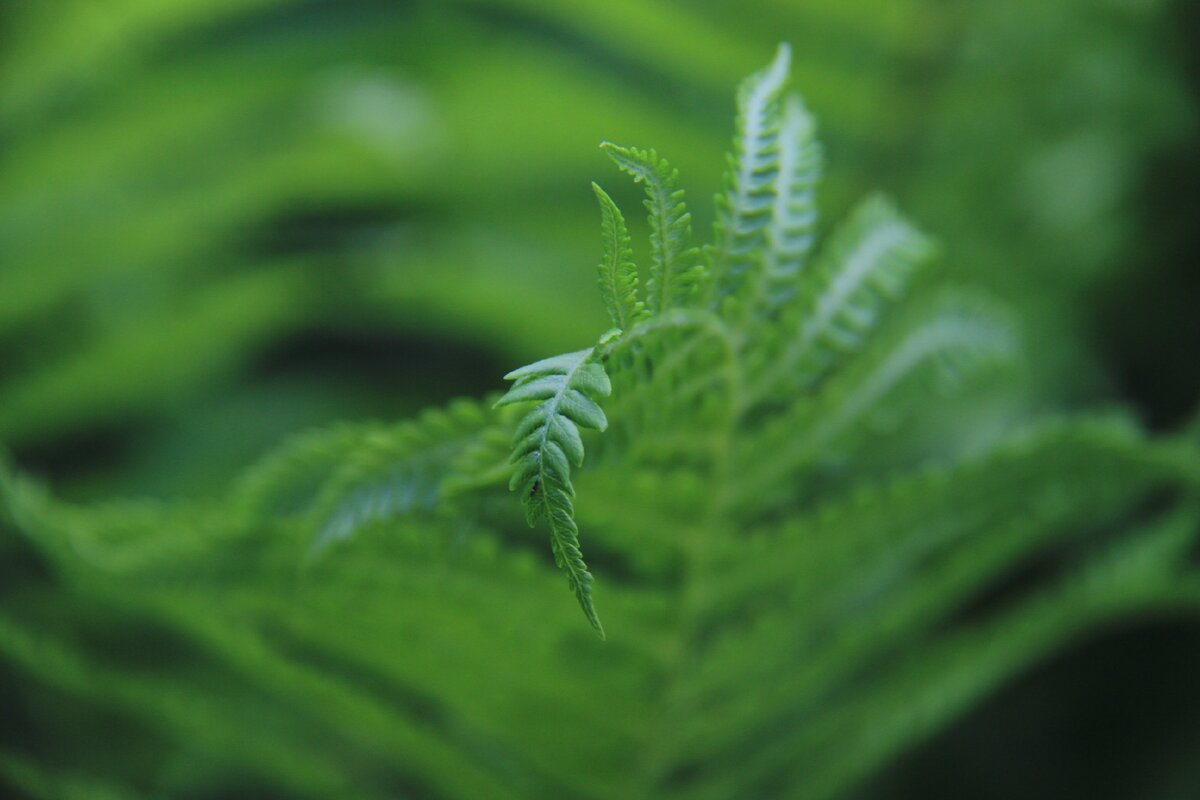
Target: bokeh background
x: 224, y: 222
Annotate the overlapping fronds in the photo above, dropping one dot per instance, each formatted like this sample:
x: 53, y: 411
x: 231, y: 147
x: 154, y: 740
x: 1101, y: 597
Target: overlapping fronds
x: 409, y: 468
x: 675, y: 270
x: 865, y: 267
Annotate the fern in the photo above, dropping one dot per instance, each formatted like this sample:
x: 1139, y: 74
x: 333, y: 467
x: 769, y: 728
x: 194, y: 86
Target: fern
x: 867, y: 265
x: 792, y: 230
x: 799, y: 583
x: 744, y: 209
x: 405, y: 470
x: 731, y: 374
x: 618, y: 273
x: 675, y: 272
x: 547, y: 442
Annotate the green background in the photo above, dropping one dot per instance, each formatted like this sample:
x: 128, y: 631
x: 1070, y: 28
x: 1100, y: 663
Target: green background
x: 225, y: 222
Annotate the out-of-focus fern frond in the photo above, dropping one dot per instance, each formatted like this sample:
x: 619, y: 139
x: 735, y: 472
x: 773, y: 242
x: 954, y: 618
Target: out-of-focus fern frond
x: 936, y: 346
x: 744, y: 209
x: 409, y: 468
x: 792, y: 231
x: 865, y: 267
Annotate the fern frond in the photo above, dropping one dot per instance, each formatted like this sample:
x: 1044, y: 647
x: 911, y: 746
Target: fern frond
x: 404, y: 469
x: 938, y: 345
x: 676, y: 272
x: 861, y: 271
x: 1094, y: 459
x: 618, y: 273
x: 938, y: 680
x: 792, y: 231
x: 744, y: 209
x: 287, y: 480
x: 547, y: 442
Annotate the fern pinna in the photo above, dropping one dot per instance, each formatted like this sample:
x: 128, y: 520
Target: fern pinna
x: 548, y: 442
x: 822, y: 522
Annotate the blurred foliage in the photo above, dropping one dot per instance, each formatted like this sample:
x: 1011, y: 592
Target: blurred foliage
x: 221, y: 223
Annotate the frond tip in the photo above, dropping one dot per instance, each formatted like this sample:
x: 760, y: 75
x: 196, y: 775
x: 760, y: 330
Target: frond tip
x: 675, y: 269
x: 618, y: 273
x: 547, y: 442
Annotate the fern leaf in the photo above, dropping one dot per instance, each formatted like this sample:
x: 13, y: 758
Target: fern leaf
x: 866, y: 267
x: 744, y: 209
x: 547, y: 442
x: 938, y: 345
x: 401, y: 469
x: 618, y: 273
x: 675, y: 270
x: 792, y: 229
x: 289, y: 478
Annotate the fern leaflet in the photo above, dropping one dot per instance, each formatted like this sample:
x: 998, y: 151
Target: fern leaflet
x: 618, y: 273
x: 547, y: 442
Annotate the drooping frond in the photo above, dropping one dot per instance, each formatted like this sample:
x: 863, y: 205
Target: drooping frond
x: 618, y: 273
x: 744, y: 208
x: 675, y: 269
x: 866, y: 266
x: 547, y: 441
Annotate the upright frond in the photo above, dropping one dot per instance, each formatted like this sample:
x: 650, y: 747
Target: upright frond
x: 792, y: 229
x: 744, y: 208
x: 618, y: 273
x: 675, y: 268
x: 866, y: 266
x: 547, y: 442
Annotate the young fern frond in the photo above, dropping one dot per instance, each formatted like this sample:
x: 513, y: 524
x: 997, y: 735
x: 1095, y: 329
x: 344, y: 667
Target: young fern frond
x: 547, y: 442
x: 744, y: 209
x: 676, y: 272
x: 618, y: 273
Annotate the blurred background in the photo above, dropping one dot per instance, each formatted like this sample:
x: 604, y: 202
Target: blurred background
x: 224, y: 222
